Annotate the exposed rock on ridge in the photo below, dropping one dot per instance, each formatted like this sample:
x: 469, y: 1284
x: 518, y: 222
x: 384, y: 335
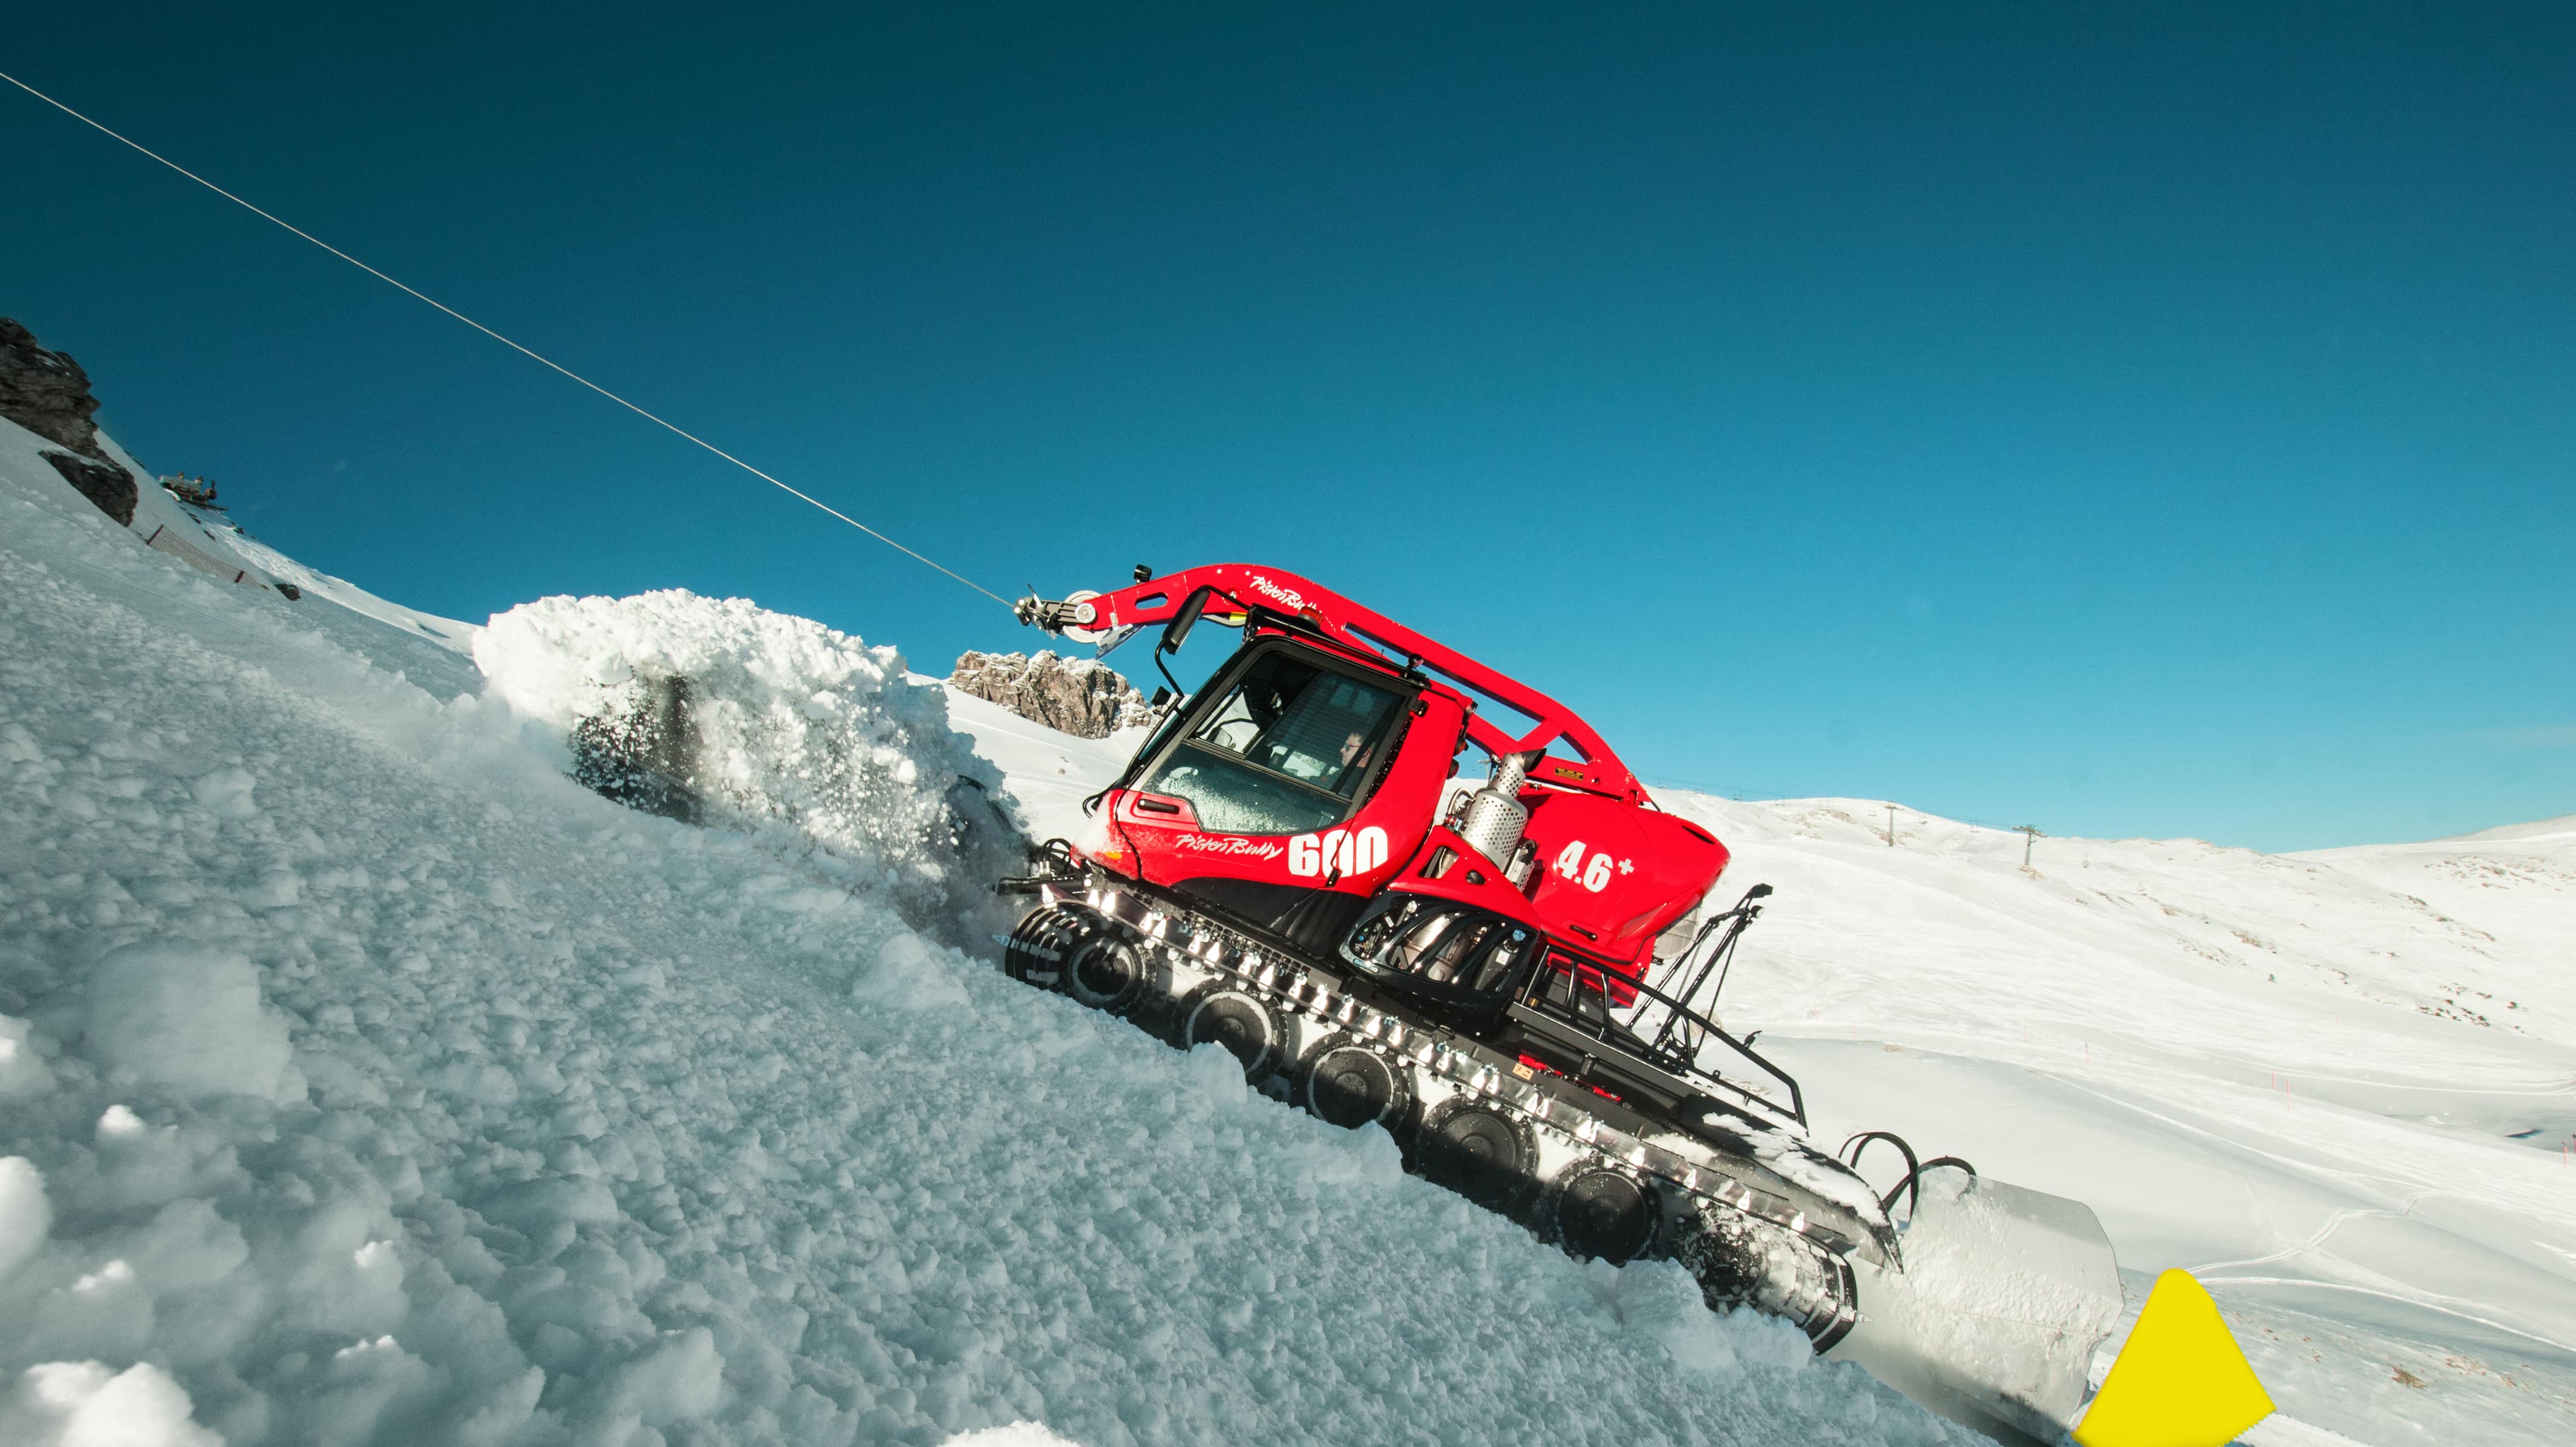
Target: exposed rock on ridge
x: 48, y: 394
x: 1078, y: 696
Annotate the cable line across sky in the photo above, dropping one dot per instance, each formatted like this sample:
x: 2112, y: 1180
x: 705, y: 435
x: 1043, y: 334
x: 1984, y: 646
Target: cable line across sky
x: 505, y: 341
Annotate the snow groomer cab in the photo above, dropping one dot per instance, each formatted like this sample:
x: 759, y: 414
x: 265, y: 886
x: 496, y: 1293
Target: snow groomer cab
x: 1306, y: 778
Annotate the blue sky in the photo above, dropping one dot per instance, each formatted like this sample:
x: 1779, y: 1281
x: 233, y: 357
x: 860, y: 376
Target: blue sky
x: 2140, y: 422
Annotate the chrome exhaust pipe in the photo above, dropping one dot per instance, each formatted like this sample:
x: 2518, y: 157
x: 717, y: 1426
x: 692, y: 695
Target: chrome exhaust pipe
x: 1496, y: 817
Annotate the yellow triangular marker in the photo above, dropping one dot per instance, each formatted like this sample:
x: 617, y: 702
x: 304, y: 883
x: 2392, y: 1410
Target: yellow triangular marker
x: 2180, y: 1381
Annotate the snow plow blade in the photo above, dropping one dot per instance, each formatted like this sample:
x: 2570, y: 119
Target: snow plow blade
x: 1994, y: 1315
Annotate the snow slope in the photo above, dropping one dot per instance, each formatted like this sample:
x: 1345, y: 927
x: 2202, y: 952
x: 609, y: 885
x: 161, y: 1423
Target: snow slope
x: 367, y: 1081
x: 433, y: 650
x: 362, y: 1079
x: 1049, y: 773
x: 215, y: 531
x: 445, y: 632
x: 2335, y: 1086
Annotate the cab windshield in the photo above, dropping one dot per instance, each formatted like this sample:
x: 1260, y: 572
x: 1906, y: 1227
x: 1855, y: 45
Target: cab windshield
x: 1284, y: 749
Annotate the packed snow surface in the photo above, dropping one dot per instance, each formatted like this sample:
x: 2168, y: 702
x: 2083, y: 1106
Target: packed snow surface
x: 362, y: 1079
x: 592, y: 1127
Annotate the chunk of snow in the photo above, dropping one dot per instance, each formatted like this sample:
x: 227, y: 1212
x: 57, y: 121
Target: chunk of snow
x: 114, y: 1274
x: 84, y: 1404
x: 25, y: 1215
x: 22, y: 1071
x: 534, y: 1206
x: 187, y: 1244
x: 794, y: 730
x: 186, y: 1017
x: 676, y: 1379
x: 909, y: 973
x: 226, y: 792
x: 1017, y: 1434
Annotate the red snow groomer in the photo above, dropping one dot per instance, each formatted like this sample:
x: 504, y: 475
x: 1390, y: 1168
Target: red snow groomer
x: 1506, y: 979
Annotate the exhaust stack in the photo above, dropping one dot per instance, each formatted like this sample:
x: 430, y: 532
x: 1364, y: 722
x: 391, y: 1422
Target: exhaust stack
x: 1495, y: 815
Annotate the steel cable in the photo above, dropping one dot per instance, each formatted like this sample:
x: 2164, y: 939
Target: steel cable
x: 505, y: 341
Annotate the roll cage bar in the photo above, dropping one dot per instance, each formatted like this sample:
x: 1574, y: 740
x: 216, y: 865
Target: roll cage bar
x: 1574, y: 994
x: 1582, y: 1008
x: 1660, y: 1005
x: 1273, y: 597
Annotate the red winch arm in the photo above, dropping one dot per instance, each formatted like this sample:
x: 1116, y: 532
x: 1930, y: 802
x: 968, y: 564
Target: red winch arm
x: 1595, y: 769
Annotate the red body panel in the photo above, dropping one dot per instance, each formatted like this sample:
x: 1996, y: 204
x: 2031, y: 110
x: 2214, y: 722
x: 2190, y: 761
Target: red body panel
x: 1671, y: 864
x: 1614, y: 876
x: 1611, y: 872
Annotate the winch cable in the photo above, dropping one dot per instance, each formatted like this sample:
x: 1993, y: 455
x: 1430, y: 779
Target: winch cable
x: 505, y: 341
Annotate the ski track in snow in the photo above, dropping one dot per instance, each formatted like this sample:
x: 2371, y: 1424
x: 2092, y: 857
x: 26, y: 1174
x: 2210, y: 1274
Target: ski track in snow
x: 367, y: 1081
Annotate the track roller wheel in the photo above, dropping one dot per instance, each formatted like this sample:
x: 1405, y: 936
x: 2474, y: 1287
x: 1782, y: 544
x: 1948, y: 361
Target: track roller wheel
x: 1350, y: 1085
x: 1106, y: 972
x: 1600, y: 1212
x: 1037, y: 950
x: 1474, y: 1149
x: 1246, y: 1026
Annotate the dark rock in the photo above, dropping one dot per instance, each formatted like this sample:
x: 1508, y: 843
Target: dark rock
x: 1078, y: 696
x: 48, y: 394
x: 104, y: 483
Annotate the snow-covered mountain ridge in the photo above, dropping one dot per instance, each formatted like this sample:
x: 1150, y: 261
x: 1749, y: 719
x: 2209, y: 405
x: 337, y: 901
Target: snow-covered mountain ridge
x: 523, y: 1118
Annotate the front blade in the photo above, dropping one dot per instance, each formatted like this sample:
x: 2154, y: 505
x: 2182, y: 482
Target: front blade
x: 1993, y: 1315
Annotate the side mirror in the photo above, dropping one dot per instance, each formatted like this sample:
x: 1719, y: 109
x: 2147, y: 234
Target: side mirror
x: 1759, y: 891
x: 1162, y: 696
x: 1177, y: 632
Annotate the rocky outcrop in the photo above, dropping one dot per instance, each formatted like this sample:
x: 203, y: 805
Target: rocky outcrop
x: 48, y: 394
x: 1074, y: 695
x: 104, y: 483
